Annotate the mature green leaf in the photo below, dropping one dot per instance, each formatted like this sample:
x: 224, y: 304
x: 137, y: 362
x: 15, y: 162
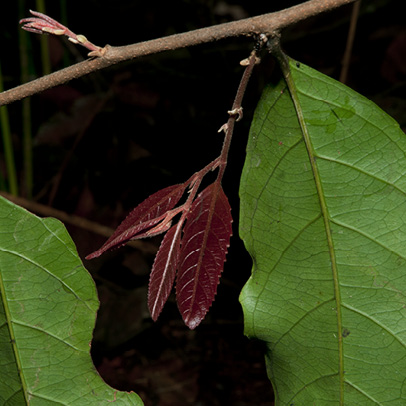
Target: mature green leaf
x: 47, y: 315
x: 323, y: 215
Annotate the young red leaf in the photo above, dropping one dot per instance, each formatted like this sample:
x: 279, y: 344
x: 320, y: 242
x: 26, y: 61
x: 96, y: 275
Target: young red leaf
x: 164, y: 271
x: 204, y: 247
x: 149, y: 218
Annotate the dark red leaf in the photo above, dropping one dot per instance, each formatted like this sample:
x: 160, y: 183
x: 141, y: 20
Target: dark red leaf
x: 164, y: 271
x: 149, y: 218
x: 204, y: 247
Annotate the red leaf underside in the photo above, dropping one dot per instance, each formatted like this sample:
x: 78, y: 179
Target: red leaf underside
x: 144, y: 220
x: 203, y: 251
x: 164, y: 271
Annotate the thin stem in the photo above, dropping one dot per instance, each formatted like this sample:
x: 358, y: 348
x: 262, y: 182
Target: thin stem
x: 235, y: 113
x: 8, y: 146
x: 26, y: 110
x: 45, y: 59
x: 27, y: 148
x: 350, y: 41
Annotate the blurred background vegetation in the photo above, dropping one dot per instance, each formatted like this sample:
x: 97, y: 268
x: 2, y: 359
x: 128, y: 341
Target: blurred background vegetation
x: 99, y: 145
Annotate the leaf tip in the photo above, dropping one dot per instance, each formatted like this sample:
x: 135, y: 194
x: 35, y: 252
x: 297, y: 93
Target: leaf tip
x: 193, y: 322
x: 92, y: 255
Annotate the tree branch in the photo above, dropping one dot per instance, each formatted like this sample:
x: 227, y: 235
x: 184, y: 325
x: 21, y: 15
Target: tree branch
x: 269, y: 24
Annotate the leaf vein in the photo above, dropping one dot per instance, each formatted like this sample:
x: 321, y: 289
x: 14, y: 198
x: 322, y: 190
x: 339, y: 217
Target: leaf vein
x: 377, y: 322
x: 48, y: 334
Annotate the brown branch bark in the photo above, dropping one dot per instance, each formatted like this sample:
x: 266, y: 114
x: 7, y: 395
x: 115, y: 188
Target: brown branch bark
x: 269, y: 24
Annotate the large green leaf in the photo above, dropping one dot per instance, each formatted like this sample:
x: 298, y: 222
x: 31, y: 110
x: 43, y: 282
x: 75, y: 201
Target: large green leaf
x: 323, y: 215
x: 47, y: 315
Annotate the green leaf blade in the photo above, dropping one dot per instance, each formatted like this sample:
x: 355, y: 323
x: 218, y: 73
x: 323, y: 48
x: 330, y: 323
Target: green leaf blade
x: 47, y: 316
x: 324, y: 223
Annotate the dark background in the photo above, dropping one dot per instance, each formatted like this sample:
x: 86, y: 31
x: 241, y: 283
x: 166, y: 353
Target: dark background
x: 136, y: 127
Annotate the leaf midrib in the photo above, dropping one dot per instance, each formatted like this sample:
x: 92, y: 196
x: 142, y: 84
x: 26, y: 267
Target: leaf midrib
x: 285, y: 65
